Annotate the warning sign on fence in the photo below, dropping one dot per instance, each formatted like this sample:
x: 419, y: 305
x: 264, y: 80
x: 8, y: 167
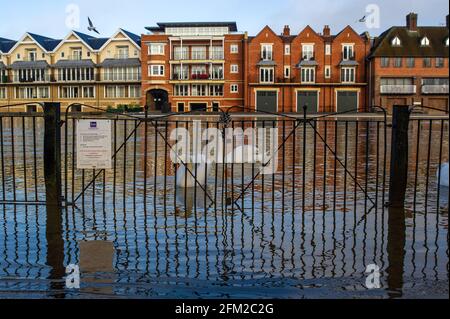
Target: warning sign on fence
x: 94, y: 144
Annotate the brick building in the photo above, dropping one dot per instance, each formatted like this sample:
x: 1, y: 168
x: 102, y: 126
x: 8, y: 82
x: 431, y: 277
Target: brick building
x: 323, y: 71
x: 409, y: 66
x: 193, y: 66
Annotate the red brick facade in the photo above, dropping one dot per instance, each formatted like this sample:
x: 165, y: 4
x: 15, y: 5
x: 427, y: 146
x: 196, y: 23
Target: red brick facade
x: 323, y: 87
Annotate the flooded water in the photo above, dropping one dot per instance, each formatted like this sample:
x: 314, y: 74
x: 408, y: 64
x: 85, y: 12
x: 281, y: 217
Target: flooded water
x: 308, y: 231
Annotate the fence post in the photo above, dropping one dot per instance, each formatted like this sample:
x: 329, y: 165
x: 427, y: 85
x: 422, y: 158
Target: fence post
x: 52, y: 154
x: 399, y: 156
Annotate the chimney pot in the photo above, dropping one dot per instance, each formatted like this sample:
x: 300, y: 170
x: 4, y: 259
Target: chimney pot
x: 326, y: 31
x: 411, y: 21
x: 286, y: 31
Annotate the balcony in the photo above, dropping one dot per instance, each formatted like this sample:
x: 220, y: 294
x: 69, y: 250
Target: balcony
x: 74, y: 57
x: 435, y: 89
x: 197, y: 77
x: 122, y: 56
x: 398, y: 89
x: 120, y: 77
x: 42, y: 79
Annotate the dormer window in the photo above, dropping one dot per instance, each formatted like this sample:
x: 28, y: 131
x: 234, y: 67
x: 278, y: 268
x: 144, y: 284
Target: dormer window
x: 446, y: 42
x: 425, y: 42
x: 396, y: 42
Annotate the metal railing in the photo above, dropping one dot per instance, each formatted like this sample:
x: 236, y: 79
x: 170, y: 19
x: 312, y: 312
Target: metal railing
x: 435, y: 89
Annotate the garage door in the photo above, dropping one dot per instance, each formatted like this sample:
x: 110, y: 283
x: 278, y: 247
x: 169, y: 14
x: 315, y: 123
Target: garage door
x: 266, y: 101
x: 308, y: 98
x: 347, y: 101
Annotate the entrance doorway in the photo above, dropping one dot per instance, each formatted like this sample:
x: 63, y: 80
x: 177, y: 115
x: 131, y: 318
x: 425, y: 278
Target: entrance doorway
x: 199, y: 107
x: 157, y: 100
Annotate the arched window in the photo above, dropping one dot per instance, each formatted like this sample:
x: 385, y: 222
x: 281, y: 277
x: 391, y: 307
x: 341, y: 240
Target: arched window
x: 396, y: 41
x: 425, y: 42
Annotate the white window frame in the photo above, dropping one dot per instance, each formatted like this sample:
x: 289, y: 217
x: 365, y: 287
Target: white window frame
x: 159, y: 73
x: 396, y: 42
x: 234, y: 69
x: 5, y: 93
x: 327, y: 69
x: 138, y: 87
x: 156, y: 49
x: 346, y: 56
x: 266, y: 78
x: 287, y: 71
x: 234, y: 88
x: 346, y: 70
x: 287, y: 49
x: 266, y: 47
x: 307, y: 51
x: 327, y: 49
x: 308, y: 75
x: 234, y: 48
x: 88, y: 97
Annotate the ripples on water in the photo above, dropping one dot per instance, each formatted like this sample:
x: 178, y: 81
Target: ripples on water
x: 278, y: 244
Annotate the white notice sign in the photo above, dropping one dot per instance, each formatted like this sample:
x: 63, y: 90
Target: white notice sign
x: 94, y: 144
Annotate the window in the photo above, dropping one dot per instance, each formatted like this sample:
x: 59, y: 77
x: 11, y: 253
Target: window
x: 3, y: 93
x: 62, y: 54
x: 198, y: 53
x: 308, y: 51
x: 234, y: 49
x: 69, y: 92
x: 446, y: 42
x: 123, y: 52
x: 287, y: 72
x: 234, y: 88
x: 439, y: 62
x: 181, y: 90
x: 216, y: 53
x: 32, y: 55
x: 134, y: 91
x: 18, y: 56
x: 287, y: 49
x: 156, y: 49
x: 308, y: 75
x: 347, y: 52
x: 385, y: 62
x: 348, y: 75
x: 77, y: 54
x: 217, y: 72
x: 397, y: 62
x: 199, y: 90
x: 327, y: 49
x: 88, y: 92
x: 396, y: 42
x: 267, y: 52
x: 266, y: 75
x: 427, y: 62
x: 410, y: 62
x: 327, y: 72
x: 180, y: 73
x: 32, y: 93
x: 180, y: 53
x: 156, y: 70
x: 425, y: 42
x: 234, y: 68
x: 396, y: 81
x: 113, y: 91
x: 216, y: 90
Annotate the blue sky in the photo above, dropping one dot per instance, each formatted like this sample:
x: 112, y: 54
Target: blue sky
x: 48, y: 17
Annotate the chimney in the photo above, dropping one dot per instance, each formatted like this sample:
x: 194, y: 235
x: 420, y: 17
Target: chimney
x: 326, y: 31
x: 286, y: 31
x: 411, y: 21
x: 446, y: 20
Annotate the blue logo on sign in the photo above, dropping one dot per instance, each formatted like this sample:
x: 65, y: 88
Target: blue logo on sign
x: 93, y: 124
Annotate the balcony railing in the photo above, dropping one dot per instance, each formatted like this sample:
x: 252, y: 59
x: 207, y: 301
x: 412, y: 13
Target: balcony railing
x: 78, y: 79
x: 435, y: 89
x: 45, y: 78
x: 214, y: 55
x: 197, y: 77
x: 120, y: 77
x: 121, y: 56
x: 74, y: 57
x: 398, y: 89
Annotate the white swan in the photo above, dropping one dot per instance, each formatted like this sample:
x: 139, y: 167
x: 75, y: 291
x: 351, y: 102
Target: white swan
x: 192, y: 174
x: 444, y: 175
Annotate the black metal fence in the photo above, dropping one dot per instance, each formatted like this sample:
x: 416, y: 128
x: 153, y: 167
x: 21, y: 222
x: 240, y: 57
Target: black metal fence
x: 321, y: 215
